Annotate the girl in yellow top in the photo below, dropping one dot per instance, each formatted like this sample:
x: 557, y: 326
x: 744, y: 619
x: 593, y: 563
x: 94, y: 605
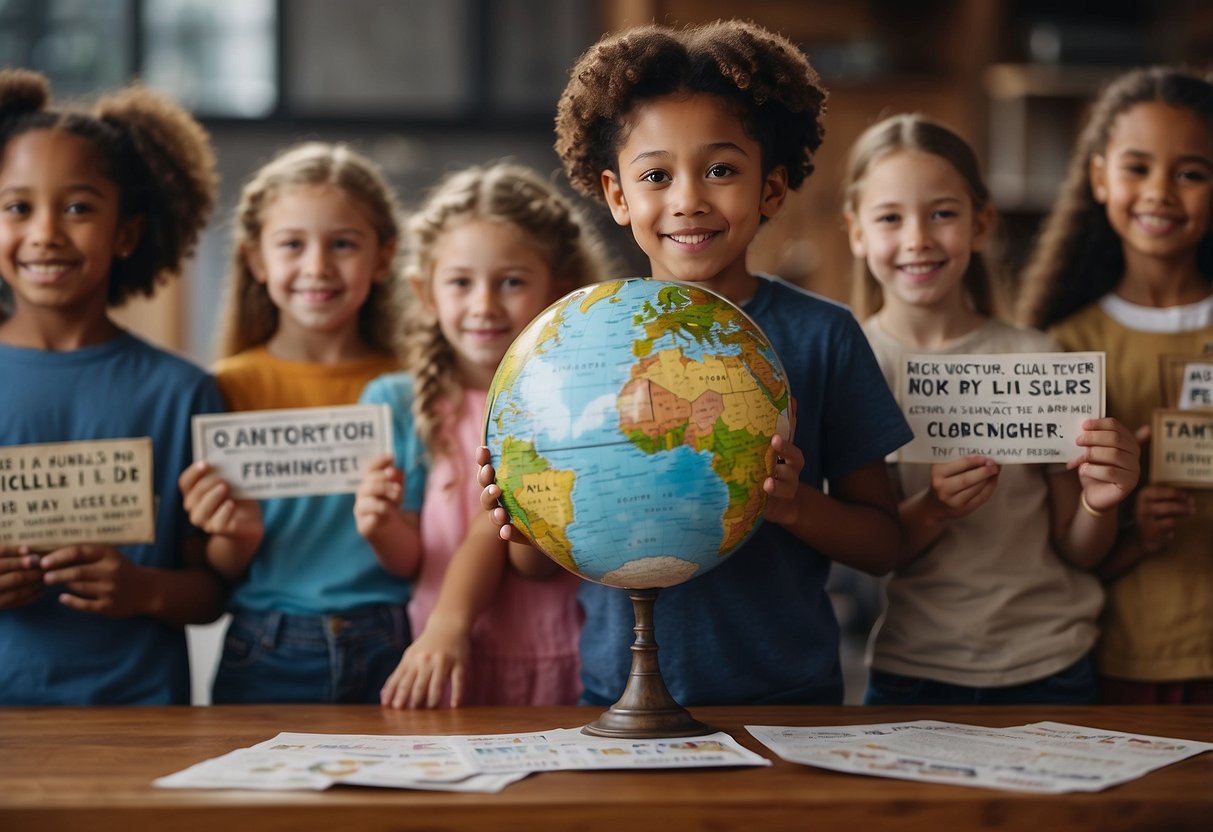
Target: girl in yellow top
x: 1125, y: 265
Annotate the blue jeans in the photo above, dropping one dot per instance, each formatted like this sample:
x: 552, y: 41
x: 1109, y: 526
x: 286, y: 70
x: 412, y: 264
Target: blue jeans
x: 1075, y: 685
x: 273, y: 657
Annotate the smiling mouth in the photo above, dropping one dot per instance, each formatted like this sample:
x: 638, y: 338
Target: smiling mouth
x: 317, y: 295
x: 1155, y: 224
x: 46, y: 272
x: 692, y: 239
x: 919, y: 269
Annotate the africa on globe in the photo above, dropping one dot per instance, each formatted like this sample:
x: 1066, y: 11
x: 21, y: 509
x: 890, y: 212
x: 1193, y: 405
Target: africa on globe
x: 630, y: 427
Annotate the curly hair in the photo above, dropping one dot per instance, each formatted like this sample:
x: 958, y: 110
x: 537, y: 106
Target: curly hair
x: 506, y: 193
x: 159, y: 157
x: 774, y: 90
x: 912, y: 131
x: 1078, y: 258
x: 250, y: 317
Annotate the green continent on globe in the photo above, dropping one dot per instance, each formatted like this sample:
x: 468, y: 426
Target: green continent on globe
x: 542, y: 503
x: 713, y: 405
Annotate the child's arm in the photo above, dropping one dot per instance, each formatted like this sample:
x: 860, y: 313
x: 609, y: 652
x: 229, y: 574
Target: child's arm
x: 958, y: 488
x: 101, y: 580
x: 440, y: 652
x: 1084, y: 508
x: 394, y: 534
x: 20, y: 577
x: 856, y: 524
x: 234, y: 526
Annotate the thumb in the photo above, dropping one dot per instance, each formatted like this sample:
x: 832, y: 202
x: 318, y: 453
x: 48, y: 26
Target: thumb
x: 1142, y: 435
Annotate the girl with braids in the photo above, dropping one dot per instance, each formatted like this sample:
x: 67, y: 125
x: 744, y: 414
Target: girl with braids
x: 489, y: 250
x: 1124, y: 264
x: 96, y: 207
x: 317, y: 615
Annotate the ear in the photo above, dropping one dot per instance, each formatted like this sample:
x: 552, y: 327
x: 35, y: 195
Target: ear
x: 774, y: 191
x: 983, y: 224
x: 1097, y: 172
x: 130, y: 232
x: 251, y: 253
x: 612, y: 192
x: 387, y: 254
x: 421, y: 289
x: 855, y: 234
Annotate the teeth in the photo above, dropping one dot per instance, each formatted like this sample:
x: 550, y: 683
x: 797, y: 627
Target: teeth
x: 919, y: 268
x: 46, y: 268
x: 1155, y: 223
x: 690, y: 239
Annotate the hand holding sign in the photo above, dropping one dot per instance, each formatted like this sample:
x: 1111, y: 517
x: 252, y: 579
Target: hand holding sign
x: 98, y: 579
x: 961, y: 486
x: 1110, y: 465
x: 378, y: 495
x: 20, y: 577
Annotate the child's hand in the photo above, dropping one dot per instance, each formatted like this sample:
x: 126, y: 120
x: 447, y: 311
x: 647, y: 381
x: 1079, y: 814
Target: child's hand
x: 378, y: 494
x: 1111, y: 465
x: 783, y: 484
x: 439, y: 654
x: 961, y: 486
x: 1160, y: 509
x: 99, y: 579
x: 490, y: 497
x: 20, y: 577
x: 207, y: 501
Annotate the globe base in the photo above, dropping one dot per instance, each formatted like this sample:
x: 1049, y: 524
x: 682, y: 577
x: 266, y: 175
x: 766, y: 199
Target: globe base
x: 646, y: 710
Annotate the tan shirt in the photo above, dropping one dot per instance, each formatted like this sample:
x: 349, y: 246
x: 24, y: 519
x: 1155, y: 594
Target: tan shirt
x: 1158, y: 624
x: 990, y: 603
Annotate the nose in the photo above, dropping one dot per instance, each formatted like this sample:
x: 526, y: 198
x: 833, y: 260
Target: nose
x: 915, y: 236
x: 315, y: 260
x: 45, y: 228
x: 1159, y: 185
x: 483, y: 298
x: 686, y: 196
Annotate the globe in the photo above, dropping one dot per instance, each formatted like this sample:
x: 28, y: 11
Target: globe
x: 630, y: 426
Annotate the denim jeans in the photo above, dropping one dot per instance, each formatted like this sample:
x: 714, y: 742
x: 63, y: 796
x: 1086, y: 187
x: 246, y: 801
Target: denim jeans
x: 1075, y: 685
x: 271, y: 657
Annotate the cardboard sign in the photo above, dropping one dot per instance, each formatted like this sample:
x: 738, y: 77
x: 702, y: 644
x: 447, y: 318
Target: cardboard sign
x: 1012, y: 407
x: 1181, y: 448
x: 67, y: 493
x: 1187, y: 382
x: 293, y: 453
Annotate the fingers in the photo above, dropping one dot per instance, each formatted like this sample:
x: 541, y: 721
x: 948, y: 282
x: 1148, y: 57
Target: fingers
x: 457, y: 681
x: 20, y: 577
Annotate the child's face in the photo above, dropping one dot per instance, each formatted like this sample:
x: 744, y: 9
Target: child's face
x: 488, y: 280
x: 60, y: 223
x: 915, y: 226
x: 318, y: 256
x: 1155, y: 178
x: 691, y: 186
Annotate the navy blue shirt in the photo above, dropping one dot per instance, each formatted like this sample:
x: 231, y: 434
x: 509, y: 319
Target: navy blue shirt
x: 124, y: 388
x: 760, y: 628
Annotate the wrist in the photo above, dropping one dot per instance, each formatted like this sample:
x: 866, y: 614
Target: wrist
x: 1082, y: 502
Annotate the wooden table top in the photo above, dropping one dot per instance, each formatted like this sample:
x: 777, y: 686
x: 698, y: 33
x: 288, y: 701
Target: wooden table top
x: 92, y: 768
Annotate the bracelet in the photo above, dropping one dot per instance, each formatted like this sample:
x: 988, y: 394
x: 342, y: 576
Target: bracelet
x: 1082, y: 501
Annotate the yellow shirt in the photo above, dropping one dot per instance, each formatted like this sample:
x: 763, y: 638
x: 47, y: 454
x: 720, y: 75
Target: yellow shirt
x: 256, y: 380
x: 1158, y: 619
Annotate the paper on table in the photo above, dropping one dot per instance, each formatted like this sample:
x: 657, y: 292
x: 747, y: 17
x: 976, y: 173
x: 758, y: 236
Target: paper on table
x: 1041, y: 757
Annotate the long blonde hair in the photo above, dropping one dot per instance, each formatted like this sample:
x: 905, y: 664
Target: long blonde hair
x: 507, y: 193
x: 912, y: 131
x: 250, y: 317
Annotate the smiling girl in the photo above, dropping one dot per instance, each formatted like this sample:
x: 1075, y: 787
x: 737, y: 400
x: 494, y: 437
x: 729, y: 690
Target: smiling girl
x: 317, y: 615
x: 989, y: 601
x: 1125, y: 265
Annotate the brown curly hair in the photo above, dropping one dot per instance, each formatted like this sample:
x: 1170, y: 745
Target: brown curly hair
x: 250, y: 317
x: 506, y: 193
x: 912, y: 131
x: 155, y: 152
x: 1078, y: 258
x: 774, y: 90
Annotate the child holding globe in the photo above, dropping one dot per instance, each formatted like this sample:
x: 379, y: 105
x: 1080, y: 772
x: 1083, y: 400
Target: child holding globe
x: 487, y: 252
x: 693, y: 138
x: 974, y: 615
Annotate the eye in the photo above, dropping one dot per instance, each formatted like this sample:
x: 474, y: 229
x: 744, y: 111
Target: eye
x: 656, y: 177
x: 514, y: 281
x: 344, y: 244
x: 719, y: 171
x: 944, y: 214
x: 78, y: 208
x: 17, y: 207
x: 290, y: 244
x: 1135, y: 168
x: 1193, y: 175
x: 887, y: 218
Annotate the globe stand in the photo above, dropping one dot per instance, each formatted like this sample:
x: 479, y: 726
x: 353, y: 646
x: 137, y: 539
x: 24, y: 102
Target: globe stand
x: 646, y: 709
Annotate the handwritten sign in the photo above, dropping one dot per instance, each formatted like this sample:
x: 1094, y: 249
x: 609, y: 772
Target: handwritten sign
x: 1013, y: 408
x: 296, y: 452
x: 1187, y: 382
x: 1181, y: 448
x: 67, y: 493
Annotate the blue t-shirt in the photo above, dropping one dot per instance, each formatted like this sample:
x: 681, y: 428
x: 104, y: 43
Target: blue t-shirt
x: 124, y: 388
x: 313, y: 561
x: 759, y: 628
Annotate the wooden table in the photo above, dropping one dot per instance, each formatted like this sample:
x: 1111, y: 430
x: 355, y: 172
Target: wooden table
x: 92, y: 768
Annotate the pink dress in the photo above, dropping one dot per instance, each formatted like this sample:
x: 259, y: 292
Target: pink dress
x: 524, y: 646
